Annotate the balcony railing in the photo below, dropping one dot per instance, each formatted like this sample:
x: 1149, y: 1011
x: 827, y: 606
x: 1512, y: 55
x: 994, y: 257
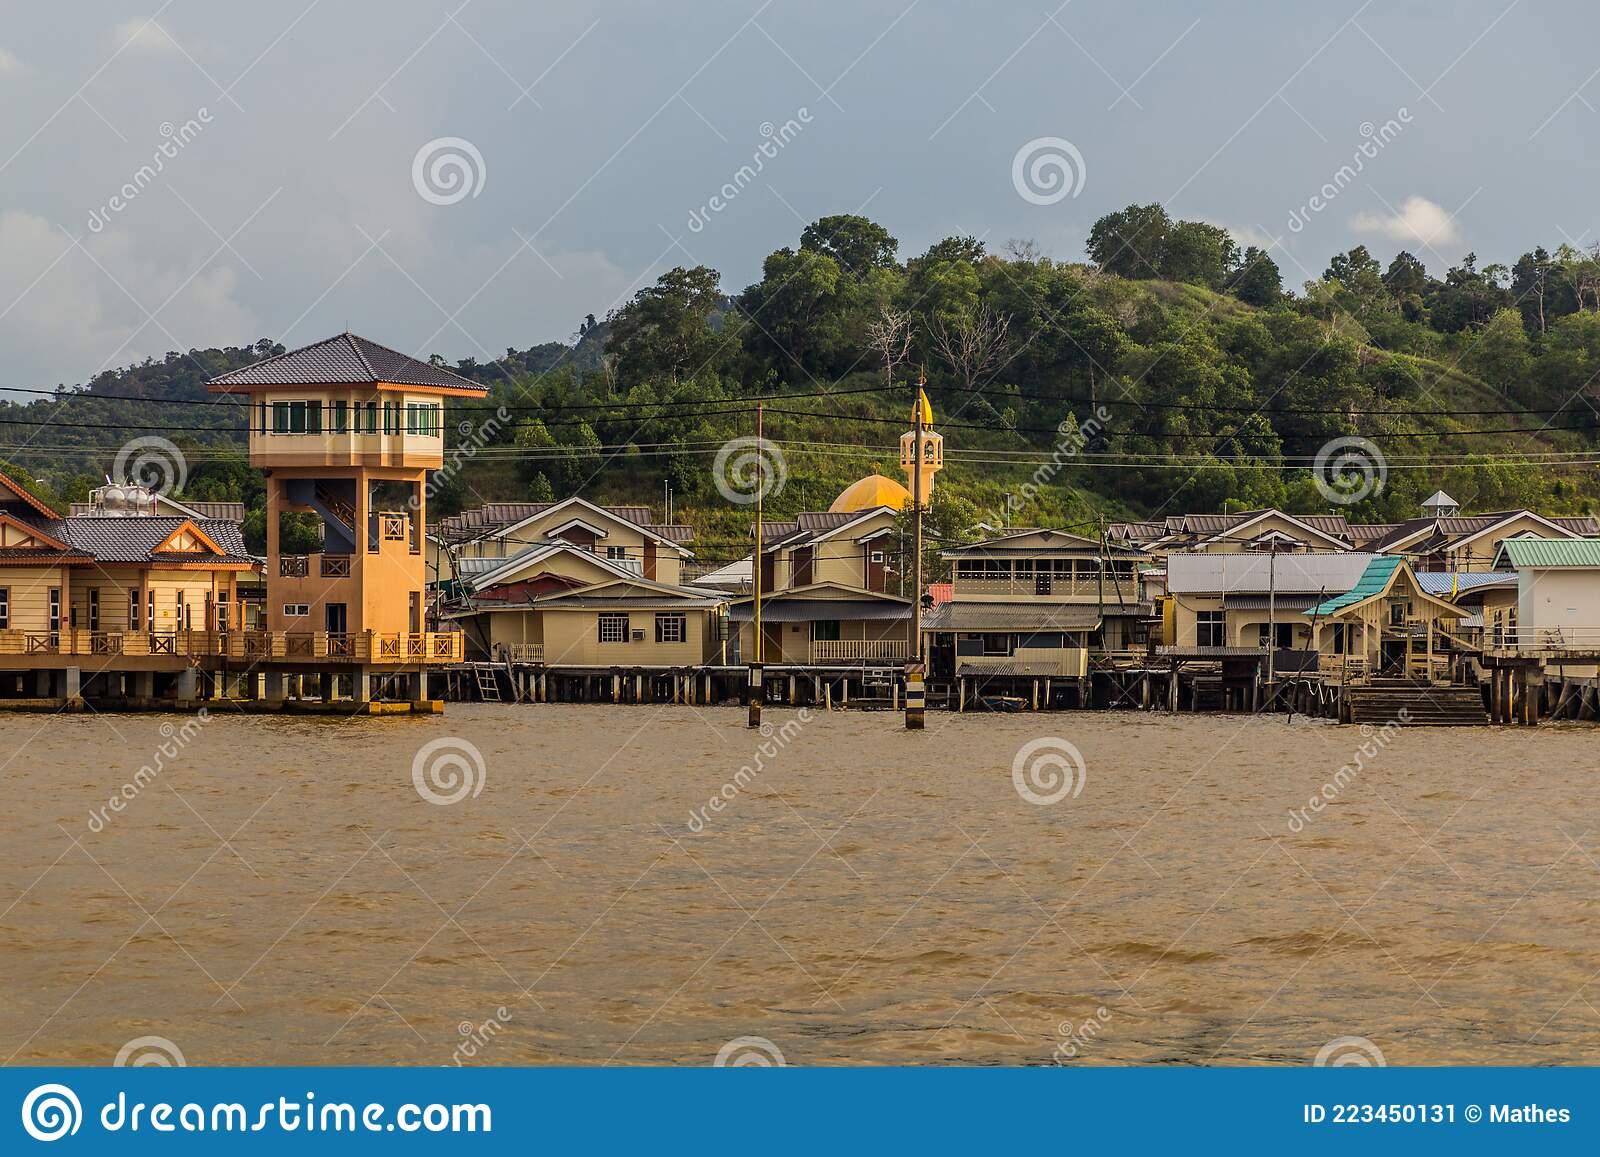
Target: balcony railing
x: 294, y: 565
x: 335, y: 566
x: 1050, y: 586
x: 860, y: 651
x: 526, y: 652
x: 1541, y: 640
x: 376, y: 647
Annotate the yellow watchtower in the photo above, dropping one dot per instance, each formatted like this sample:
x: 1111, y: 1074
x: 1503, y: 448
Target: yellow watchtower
x: 347, y: 429
x: 932, y: 449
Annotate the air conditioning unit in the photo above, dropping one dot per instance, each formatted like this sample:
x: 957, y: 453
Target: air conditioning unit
x: 638, y: 636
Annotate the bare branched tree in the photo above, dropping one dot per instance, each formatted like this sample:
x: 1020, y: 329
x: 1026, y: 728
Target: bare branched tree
x: 972, y: 346
x: 890, y: 338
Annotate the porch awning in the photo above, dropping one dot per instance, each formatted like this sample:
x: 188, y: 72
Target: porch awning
x: 782, y: 610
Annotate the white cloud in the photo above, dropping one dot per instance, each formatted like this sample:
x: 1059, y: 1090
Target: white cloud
x: 143, y: 36
x: 1419, y: 220
x: 10, y: 65
x: 1247, y: 235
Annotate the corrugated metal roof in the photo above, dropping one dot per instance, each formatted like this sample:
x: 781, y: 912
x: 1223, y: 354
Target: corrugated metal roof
x: 1440, y: 582
x: 1292, y: 573
x: 344, y: 359
x: 1550, y: 552
x: 1280, y: 602
x: 1372, y: 580
x: 1016, y: 616
x: 1004, y: 670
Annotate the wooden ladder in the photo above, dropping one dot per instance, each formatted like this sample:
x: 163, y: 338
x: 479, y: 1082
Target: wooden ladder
x: 488, y: 684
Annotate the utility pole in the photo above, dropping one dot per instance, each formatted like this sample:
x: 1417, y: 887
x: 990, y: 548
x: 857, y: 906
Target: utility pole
x: 916, y: 676
x: 756, y: 689
x: 1272, y: 613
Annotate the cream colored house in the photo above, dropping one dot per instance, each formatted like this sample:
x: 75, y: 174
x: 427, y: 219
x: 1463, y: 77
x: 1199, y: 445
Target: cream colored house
x: 624, y: 534
x: 850, y: 548
x: 631, y: 622
x: 1232, y: 601
x: 824, y: 623
x: 1033, y: 604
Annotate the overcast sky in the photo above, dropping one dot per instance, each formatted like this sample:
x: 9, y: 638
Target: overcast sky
x: 291, y: 206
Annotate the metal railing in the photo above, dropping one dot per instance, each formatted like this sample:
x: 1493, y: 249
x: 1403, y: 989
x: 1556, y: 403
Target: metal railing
x: 356, y: 647
x: 1541, y: 639
x: 860, y: 650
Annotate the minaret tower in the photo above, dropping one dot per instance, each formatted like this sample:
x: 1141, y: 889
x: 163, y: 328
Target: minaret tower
x: 932, y: 450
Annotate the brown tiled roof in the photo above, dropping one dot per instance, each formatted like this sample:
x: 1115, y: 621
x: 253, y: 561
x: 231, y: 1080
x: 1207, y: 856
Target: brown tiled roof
x: 343, y: 359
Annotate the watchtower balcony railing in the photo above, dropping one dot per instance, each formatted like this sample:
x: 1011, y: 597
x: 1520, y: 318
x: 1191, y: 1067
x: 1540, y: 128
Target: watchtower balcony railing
x: 305, y: 565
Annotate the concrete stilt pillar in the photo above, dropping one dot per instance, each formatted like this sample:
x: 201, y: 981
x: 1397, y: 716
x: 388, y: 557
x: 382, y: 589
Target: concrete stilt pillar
x: 187, y: 686
x: 43, y: 683
x: 72, y: 685
x: 144, y: 684
x: 757, y: 691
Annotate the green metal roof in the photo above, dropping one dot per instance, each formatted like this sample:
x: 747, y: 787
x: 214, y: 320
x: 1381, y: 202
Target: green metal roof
x: 1533, y: 552
x: 1377, y: 575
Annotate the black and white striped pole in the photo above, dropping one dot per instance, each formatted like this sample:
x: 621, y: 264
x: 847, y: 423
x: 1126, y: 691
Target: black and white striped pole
x: 914, y: 698
x: 757, y: 689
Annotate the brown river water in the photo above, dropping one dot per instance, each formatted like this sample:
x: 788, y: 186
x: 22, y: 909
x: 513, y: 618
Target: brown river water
x: 278, y: 891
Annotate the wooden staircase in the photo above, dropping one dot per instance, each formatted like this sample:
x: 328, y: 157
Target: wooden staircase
x: 1425, y: 704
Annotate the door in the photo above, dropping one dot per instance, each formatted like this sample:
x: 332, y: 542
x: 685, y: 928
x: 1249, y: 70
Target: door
x: 416, y: 613
x: 337, y: 620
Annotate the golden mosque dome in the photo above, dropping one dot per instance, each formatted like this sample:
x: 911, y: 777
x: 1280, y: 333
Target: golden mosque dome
x: 869, y: 492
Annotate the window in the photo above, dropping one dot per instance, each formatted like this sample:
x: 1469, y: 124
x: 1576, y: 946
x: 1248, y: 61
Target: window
x: 613, y: 628
x: 313, y: 417
x: 341, y: 417
x: 825, y: 631
x: 182, y: 623
x: 422, y: 418
x: 877, y: 556
x: 133, y: 609
x: 280, y: 417
x: 222, y: 610
x: 616, y: 552
x: 1209, y: 629
x: 150, y: 620
x: 94, y: 608
x: 55, y: 609
x: 5, y: 608
x: 997, y: 644
x: 672, y: 627
x: 295, y: 610
x: 297, y: 417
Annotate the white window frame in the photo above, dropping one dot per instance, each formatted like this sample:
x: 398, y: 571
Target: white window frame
x: 613, y: 627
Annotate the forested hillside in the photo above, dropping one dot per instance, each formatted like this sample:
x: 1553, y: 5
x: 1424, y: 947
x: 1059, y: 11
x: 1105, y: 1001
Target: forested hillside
x: 1171, y: 371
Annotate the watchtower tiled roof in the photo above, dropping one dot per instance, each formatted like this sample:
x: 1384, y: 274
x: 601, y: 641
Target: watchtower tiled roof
x: 340, y: 360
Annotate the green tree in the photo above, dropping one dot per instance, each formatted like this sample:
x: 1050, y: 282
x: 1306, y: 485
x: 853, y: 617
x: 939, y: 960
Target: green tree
x: 856, y: 243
